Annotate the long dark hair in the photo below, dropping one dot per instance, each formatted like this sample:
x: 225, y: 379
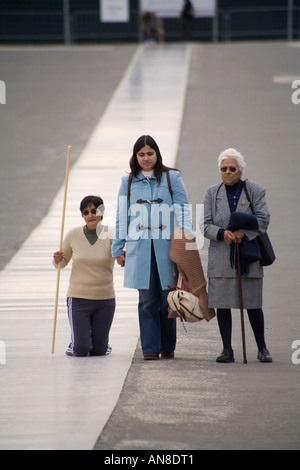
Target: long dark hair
x: 159, y: 166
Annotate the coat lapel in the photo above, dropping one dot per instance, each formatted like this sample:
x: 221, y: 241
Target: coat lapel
x: 222, y: 202
x: 243, y: 203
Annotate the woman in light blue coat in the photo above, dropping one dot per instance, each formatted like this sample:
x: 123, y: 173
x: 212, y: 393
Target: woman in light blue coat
x: 152, y: 201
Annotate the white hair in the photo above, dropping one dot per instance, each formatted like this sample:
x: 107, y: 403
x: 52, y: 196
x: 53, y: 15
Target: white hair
x: 233, y: 153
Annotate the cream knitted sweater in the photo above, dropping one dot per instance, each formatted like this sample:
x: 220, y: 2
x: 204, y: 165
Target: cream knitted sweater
x: 92, y: 265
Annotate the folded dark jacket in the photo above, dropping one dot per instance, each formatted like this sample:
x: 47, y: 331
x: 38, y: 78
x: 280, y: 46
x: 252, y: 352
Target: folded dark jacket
x: 249, y: 250
x: 241, y: 220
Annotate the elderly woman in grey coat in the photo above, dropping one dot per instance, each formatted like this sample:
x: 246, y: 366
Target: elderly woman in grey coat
x: 220, y: 202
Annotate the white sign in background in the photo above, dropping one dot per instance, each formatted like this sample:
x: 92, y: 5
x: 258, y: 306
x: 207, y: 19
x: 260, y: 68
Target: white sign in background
x: 2, y: 352
x: 173, y: 8
x: 114, y: 11
x: 2, y: 92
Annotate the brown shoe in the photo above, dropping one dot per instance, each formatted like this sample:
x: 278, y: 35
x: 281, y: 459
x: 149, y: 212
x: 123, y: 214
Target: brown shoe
x: 168, y: 355
x: 151, y: 357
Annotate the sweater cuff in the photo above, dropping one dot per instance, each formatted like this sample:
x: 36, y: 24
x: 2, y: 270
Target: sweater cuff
x: 220, y: 235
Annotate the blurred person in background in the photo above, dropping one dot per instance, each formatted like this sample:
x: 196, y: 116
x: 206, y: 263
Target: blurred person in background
x: 186, y: 18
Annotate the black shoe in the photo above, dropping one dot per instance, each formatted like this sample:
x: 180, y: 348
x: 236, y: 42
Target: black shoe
x: 225, y: 356
x: 264, y: 356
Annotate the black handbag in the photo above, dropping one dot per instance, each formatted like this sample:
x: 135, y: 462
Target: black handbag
x: 266, y: 250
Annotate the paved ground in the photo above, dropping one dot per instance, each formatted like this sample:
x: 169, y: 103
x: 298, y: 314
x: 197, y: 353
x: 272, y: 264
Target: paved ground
x: 50, y: 96
x: 192, y: 402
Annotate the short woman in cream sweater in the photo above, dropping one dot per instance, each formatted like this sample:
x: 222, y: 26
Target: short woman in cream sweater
x: 91, y: 295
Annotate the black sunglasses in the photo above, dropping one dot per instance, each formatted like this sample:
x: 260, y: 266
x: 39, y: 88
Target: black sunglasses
x: 230, y: 168
x: 92, y: 211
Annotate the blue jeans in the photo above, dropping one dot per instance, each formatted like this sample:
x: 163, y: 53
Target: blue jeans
x: 158, y: 332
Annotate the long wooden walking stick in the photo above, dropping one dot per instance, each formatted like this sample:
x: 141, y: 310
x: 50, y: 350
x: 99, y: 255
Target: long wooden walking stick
x: 60, y: 247
x: 241, y: 302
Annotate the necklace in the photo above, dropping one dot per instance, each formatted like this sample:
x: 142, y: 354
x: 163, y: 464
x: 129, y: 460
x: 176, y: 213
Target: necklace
x: 233, y: 194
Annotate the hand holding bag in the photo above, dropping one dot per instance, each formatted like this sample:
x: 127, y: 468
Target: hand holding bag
x: 267, y: 253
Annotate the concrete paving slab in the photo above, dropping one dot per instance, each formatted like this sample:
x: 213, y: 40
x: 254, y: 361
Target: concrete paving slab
x: 51, y: 94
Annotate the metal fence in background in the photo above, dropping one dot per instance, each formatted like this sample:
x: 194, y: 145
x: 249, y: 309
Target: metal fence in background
x: 31, y: 26
x: 84, y: 26
x: 262, y: 23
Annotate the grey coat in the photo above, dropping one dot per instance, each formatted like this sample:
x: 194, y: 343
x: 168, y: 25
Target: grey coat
x: 216, y: 216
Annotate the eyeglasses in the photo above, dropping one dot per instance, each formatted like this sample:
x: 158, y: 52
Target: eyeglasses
x: 230, y: 168
x: 92, y: 211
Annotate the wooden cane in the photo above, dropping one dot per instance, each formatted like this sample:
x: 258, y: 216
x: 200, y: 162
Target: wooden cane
x: 241, y: 302
x: 60, y: 247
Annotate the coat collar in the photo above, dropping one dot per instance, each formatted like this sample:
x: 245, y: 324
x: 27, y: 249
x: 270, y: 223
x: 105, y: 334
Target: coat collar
x: 142, y: 177
x: 243, y: 203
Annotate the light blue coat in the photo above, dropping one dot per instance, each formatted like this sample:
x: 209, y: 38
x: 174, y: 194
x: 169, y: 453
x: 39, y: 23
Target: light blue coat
x: 134, y: 220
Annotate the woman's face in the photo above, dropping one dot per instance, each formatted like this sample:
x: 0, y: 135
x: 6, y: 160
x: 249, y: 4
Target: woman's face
x: 230, y: 171
x: 146, y: 158
x: 92, y: 216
